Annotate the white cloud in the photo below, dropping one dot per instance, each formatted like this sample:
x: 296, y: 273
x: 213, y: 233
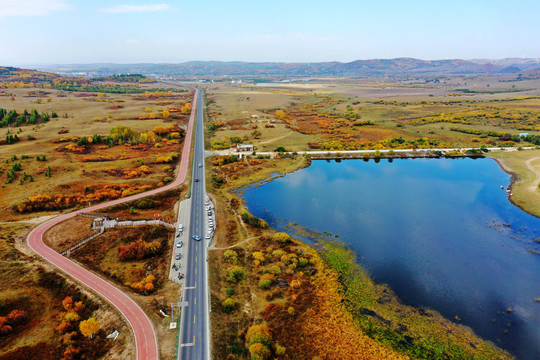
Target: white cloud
x: 135, y: 8
x: 31, y: 7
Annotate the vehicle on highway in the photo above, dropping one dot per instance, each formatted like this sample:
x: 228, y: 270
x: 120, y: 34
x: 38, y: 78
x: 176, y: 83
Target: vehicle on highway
x: 178, y: 234
x: 200, y: 164
x: 196, y: 237
x: 178, y: 256
x: 181, y: 227
x: 206, y: 203
x: 209, y: 212
x: 208, y: 236
x: 179, y: 244
x: 197, y: 180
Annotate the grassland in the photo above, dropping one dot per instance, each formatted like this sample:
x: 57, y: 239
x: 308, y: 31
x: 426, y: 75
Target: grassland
x: 346, y: 115
x: 525, y: 168
x: 72, y: 169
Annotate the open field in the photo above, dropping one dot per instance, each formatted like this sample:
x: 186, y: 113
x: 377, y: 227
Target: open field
x: 347, y: 115
x: 53, y: 160
x: 525, y: 168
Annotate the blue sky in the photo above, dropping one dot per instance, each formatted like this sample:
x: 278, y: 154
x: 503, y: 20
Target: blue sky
x: 72, y: 31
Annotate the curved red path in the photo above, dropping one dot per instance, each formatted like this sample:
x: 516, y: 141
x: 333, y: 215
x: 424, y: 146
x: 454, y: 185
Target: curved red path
x: 145, y: 336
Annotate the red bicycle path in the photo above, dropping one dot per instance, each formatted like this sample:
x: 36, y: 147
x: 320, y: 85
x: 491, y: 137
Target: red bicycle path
x: 143, y: 329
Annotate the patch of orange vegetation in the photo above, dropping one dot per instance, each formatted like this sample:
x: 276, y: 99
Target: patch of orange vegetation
x: 98, y: 193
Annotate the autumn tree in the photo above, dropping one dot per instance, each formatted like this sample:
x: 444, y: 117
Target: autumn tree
x: 230, y: 256
x: 89, y: 327
x: 280, y: 114
x: 228, y: 305
x: 122, y: 132
x: 236, y: 274
x: 281, y: 237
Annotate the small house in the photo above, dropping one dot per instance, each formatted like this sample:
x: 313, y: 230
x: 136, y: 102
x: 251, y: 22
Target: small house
x: 244, y: 148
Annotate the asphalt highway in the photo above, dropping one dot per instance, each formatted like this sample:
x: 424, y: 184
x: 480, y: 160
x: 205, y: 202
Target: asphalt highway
x: 145, y: 336
x: 194, y: 336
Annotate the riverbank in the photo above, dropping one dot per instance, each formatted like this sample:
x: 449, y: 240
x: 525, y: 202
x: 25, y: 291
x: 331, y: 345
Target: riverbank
x: 524, y: 168
x: 373, y: 309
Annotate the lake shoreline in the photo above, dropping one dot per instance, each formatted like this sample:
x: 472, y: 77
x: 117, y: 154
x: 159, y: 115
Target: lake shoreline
x: 515, y: 180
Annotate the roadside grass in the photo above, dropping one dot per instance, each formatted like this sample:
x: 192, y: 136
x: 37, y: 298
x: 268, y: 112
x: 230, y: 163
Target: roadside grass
x: 68, y: 233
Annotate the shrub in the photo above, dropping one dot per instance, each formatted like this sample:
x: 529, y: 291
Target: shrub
x: 228, y: 305
x: 265, y: 284
x: 274, y: 269
x: 236, y: 274
x: 259, y: 334
x: 230, y: 256
x: 302, y: 262
x: 280, y: 350
x: 281, y: 237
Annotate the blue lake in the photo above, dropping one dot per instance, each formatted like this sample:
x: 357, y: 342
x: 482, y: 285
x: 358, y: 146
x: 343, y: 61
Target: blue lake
x: 440, y: 232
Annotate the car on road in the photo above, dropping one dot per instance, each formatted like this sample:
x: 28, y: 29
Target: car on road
x: 200, y: 164
x: 209, y: 212
x: 196, y: 237
x: 178, y: 256
x: 179, y: 244
x: 178, y: 234
x: 197, y: 180
x: 208, y: 236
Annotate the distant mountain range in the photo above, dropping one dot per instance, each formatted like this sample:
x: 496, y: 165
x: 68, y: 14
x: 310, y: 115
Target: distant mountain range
x: 375, y: 67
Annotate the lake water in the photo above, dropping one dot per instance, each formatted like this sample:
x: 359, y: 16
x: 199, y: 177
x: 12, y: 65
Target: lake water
x: 435, y: 230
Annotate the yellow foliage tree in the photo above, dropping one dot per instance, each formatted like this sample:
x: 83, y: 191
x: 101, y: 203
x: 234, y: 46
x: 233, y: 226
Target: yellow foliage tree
x: 89, y: 327
x: 281, y: 237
